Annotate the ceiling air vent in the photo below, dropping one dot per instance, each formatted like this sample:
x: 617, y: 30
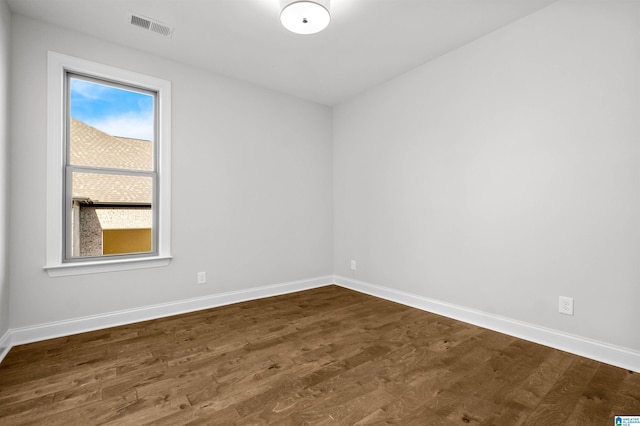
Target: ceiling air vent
x: 151, y: 25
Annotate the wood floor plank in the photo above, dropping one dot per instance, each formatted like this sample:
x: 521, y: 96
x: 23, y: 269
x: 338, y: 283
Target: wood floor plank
x: 594, y: 401
x: 326, y: 356
x: 560, y: 401
x: 627, y: 397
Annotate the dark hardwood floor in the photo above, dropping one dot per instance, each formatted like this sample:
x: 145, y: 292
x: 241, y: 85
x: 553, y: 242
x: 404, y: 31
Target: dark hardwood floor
x: 324, y: 356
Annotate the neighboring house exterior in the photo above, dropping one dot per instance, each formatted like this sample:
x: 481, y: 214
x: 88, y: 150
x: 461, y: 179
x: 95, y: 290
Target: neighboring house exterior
x: 111, y: 212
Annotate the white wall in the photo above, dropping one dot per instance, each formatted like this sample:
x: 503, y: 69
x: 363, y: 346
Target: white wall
x: 5, y: 47
x: 252, y: 186
x: 505, y: 174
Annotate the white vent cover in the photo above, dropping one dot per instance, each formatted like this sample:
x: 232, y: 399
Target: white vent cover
x: 150, y: 24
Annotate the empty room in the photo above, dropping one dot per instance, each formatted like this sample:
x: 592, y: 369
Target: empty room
x: 322, y: 212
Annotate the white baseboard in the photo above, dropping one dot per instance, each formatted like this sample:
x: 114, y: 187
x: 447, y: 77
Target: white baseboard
x: 610, y: 354
x: 599, y: 351
x: 18, y: 336
x: 5, y: 344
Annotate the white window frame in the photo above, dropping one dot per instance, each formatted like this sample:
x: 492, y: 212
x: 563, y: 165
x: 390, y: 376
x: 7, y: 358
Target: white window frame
x: 55, y: 265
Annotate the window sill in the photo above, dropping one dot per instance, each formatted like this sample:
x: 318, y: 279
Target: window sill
x: 83, y: 268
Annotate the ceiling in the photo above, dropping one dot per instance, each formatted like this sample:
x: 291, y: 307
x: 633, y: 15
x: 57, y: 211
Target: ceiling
x: 366, y: 43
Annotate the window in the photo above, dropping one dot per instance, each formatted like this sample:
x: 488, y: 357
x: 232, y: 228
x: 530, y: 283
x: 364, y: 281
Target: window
x: 108, y: 195
x: 110, y: 169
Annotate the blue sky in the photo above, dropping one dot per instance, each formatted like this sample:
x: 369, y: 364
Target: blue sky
x: 115, y: 111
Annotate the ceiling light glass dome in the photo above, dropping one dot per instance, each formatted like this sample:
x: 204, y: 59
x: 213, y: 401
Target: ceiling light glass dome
x: 305, y: 16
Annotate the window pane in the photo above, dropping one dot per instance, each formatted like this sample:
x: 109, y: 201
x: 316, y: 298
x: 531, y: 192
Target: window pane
x: 103, y: 203
x: 110, y: 126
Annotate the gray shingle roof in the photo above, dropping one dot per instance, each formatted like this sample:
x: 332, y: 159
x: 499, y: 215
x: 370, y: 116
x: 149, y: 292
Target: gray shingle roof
x: 92, y: 147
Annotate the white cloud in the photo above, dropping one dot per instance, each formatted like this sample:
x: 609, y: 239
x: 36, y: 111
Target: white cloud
x: 88, y: 89
x: 128, y: 126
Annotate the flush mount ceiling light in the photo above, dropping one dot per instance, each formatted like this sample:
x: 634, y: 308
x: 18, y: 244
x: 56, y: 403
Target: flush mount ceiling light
x: 305, y: 16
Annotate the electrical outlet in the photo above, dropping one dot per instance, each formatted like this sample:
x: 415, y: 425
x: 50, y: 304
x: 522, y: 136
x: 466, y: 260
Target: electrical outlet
x: 353, y: 265
x: 202, y: 277
x: 565, y: 305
